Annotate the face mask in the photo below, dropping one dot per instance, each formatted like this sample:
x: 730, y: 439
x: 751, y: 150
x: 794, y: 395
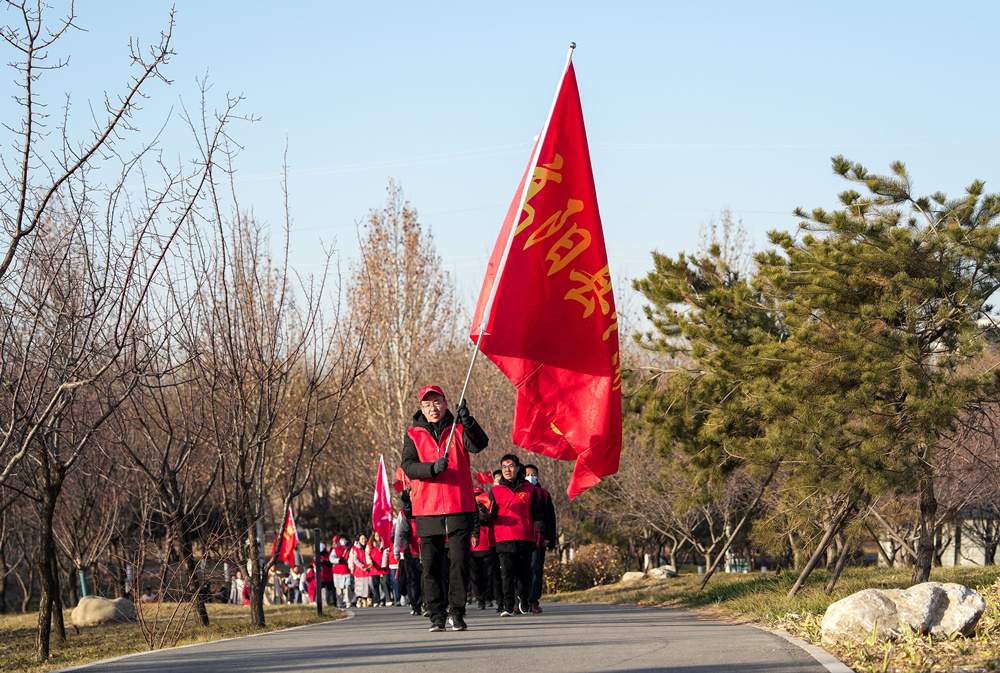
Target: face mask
x: 533, y: 479
x: 343, y: 543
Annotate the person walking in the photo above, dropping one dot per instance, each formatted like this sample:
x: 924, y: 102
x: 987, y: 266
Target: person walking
x: 435, y: 456
x: 408, y: 551
x: 547, y: 540
x: 360, y: 567
x: 481, y: 560
x: 516, y: 514
x: 342, y: 578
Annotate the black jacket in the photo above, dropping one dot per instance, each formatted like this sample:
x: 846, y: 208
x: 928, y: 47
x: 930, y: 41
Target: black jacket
x: 474, y: 440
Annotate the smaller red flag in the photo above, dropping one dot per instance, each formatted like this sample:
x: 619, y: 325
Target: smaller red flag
x: 402, y: 481
x: 382, y: 504
x: 286, y: 540
x: 484, y: 478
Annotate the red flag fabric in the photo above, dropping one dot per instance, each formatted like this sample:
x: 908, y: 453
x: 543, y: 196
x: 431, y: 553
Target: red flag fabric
x: 382, y: 505
x: 546, y: 313
x: 286, y: 540
x: 483, y: 478
x: 402, y: 481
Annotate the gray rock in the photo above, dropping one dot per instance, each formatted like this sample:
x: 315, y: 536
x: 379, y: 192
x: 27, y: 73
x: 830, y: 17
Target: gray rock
x: 93, y: 610
x: 632, y: 576
x: 663, y: 572
x: 932, y: 607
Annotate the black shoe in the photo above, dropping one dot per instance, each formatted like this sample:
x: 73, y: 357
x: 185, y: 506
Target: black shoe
x: 481, y: 605
x: 499, y: 609
x: 457, y: 623
x: 437, y: 626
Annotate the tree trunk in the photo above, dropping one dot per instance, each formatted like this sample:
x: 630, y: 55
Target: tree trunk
x: 878, y: 544
x: 831, y: 530
x: 732, y: 536
x: 46, y: 576
x: 841, y: 560
x: 4, y: 573
x: 925, y: 543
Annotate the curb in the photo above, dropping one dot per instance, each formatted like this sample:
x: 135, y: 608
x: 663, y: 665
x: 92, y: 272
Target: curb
x: 350, y: 615
x: 827, y: 660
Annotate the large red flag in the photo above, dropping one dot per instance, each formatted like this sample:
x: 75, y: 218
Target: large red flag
x: 546, y: 314
x: 382, y: 505
x: 286, y: 540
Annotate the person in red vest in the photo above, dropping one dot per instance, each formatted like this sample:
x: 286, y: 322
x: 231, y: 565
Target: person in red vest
x: 360, y: 567
x: 481, y: 559
x: 342, y: 578
x: 444, y: 506
x: 326, y: 574
x: 379, y: 572
x: 546, y: 541
x: 515, y: 511
x: 408, y: 551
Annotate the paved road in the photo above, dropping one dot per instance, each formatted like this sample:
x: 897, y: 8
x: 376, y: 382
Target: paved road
x: 567, y: 638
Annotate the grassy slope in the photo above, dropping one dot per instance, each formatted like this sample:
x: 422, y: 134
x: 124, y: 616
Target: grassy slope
x: 760, y: 599
x: 92, y: 643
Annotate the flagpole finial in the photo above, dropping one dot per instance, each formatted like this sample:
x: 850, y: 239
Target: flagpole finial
x: 572, y: 45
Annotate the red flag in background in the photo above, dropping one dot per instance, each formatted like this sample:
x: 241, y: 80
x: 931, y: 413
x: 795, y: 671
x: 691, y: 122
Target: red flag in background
x: 546, y: 314
x: 286, y: 540
x: 382, y: 505
x: 483, y: 478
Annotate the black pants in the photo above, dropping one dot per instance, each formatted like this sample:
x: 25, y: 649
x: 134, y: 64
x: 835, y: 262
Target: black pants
x: 497, y: 581
x: 481, y: 576
x: 413, y: 593
x: 432, y: 557
x: 537, y: 572
x: 515, y: 571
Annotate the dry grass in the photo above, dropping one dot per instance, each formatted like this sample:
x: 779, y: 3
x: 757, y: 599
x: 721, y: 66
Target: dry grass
x: 760, y: 599
x: 93, y: 643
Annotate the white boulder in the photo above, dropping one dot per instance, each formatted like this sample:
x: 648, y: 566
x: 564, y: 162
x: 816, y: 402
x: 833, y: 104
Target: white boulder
x: 93, y: 610
x: 632, y: 576
x: 663, y: 572
x: 929, y: 608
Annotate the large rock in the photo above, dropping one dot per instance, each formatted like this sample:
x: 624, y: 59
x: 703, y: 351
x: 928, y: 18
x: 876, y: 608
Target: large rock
x: 96, y: 610
x: 632, y: 576
x: 663, y: 572
x: 929, y: 608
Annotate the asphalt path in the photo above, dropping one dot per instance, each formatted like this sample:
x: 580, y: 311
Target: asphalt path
x: 566, y: 637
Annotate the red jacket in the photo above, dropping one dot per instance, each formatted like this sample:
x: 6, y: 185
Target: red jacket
x: 451, y: 491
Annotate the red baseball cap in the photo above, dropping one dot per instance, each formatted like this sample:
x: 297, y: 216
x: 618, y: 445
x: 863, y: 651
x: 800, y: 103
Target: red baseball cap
x: 430, y: 389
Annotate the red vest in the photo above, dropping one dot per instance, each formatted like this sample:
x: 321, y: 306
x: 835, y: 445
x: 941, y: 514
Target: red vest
x: 451, y: 491
x: 413, y: 540
x: 362, y: 560
x: 513, y: 520
x: 325, y: 571
x: 487, y: 541
x: 376, y: 554
x: 339, y: 558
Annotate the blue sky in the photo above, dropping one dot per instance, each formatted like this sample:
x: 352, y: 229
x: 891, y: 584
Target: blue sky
x: 690, y: 107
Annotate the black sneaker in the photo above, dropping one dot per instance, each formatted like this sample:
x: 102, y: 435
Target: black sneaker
x: 481, y: 605
x: 437, y: 626
x: 457, y: 623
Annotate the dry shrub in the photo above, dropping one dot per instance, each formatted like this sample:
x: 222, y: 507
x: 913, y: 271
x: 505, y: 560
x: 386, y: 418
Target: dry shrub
x: 592, y: 565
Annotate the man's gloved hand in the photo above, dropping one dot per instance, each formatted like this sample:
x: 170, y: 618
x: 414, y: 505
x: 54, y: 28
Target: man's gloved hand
x: 440, y: 465
x: 462, y: 412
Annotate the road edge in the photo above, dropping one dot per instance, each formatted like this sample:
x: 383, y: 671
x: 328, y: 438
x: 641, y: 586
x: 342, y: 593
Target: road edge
x: 827, y: 660
x: 350, y: 615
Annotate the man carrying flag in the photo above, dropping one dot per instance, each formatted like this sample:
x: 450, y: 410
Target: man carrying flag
x: 546, y: 314
x: 435, y: 456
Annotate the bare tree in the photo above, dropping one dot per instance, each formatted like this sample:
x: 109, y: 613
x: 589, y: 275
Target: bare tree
x: 89, y: 225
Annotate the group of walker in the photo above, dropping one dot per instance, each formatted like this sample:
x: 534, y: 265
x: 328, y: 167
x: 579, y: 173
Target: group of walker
x: 453, y: 543
x: 457, y: 527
